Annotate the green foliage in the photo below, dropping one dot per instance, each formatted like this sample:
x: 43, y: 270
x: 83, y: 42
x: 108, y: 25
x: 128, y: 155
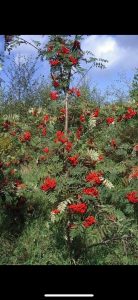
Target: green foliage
x: 134, y: 90
x: 30, y: 233
x: 5, y: 144
x: 67, y: 197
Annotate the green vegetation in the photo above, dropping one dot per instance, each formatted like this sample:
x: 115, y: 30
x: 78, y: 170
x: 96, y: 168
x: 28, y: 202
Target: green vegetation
x: 27, y: 234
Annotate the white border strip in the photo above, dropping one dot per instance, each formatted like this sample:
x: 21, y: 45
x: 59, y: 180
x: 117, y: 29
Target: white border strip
x: 68, y: 295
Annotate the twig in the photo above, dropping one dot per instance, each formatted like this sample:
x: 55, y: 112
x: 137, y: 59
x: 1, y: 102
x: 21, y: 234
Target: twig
x: 106, y: 242
x: 26, y: 42
x: 84, y: 75
x: 124, y: 245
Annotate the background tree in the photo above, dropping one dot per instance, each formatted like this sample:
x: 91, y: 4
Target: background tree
x: 134, y: 90
x: 22, y: 86
x: 22, y: 81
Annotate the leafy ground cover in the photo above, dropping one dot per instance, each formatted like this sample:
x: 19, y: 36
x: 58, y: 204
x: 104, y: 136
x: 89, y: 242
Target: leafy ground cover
x: 69, y: 198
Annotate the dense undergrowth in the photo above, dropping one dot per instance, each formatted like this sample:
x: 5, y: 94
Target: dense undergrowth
x: 45, y: 175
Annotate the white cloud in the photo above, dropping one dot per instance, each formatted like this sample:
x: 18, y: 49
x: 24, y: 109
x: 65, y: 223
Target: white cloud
x: 108, y: 47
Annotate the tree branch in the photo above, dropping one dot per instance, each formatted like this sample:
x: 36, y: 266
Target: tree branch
x: 84, y: 75
x: 107, y: 241
x: 26, y: 42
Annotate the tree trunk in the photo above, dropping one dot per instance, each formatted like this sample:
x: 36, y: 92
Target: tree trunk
x: 66, y: 114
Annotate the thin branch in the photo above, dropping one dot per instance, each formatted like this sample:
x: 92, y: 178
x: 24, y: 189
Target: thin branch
x: 26, y: 42
x: 107, y: 241
x: 84, y: 75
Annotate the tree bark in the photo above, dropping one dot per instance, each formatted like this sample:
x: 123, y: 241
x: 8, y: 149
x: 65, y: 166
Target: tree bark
x: 66, y: 114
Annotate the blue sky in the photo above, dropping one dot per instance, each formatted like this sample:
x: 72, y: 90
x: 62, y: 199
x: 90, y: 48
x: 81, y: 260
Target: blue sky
x: 121, y: 51
x: 1, y: 43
